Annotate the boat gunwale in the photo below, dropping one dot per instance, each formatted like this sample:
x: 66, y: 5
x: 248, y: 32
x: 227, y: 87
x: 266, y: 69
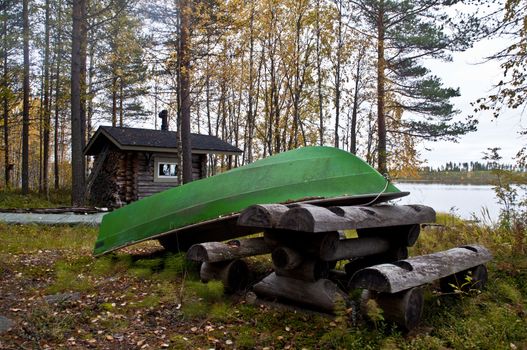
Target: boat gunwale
x: 321, y: 200
x: 163, y: 216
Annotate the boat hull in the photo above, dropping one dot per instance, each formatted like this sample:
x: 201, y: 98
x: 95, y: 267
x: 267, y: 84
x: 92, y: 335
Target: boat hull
x: 186, y: 213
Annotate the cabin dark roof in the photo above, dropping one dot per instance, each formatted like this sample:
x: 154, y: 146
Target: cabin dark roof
x: 154, y: 140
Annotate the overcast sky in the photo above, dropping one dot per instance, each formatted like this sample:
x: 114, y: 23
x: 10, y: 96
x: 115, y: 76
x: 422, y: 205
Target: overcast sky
x: 475, y: 79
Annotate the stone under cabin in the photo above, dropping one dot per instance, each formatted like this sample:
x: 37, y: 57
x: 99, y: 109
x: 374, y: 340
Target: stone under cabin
x: 131, y: 163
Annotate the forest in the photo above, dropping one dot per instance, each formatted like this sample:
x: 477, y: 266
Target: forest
x: 266, y: 76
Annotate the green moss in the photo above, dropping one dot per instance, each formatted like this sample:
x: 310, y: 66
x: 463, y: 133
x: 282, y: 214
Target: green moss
x: 180, y: 342
x: 247, y: 311
x: 141, y: 272
x: 220, y: 312
x: 66, y: 280
x: 151, y: 300
x: 174, y: 266
x: 195, y: 309
x: 167, y: 267
x: 168, y: 291
x: 339, y: 338
x: 245, y: 338
x: 508, y: 292
x: 209, y: 293
x: 72, y: 275
x: 107, y: 306
x: 112, y: 324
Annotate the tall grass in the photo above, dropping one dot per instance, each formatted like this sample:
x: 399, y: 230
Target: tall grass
x: 17, y: 239
x: 504, y: 242
x: 15, y: 199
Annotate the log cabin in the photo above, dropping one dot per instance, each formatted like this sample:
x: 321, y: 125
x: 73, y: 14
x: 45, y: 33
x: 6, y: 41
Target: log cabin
x: 130, y: 163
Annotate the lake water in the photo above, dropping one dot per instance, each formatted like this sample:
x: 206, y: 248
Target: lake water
x: 466, y: 201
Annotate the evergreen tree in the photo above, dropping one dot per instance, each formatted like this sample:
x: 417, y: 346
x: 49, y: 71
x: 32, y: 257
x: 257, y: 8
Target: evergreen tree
x: 406, y: 32
x: 123, y: 72
x: 26, y: 91
x: 10, y: 11
x: 78, y: 97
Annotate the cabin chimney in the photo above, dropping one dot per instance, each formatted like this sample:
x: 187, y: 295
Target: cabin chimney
x: 164, y: 119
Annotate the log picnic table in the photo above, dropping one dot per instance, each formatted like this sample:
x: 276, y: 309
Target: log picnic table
x: 306, y: 242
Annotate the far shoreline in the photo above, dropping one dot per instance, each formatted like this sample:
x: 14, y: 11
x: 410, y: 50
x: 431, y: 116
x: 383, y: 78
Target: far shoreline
x: 480, y: 177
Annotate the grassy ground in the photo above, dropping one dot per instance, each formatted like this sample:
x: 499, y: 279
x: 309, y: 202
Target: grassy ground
x: 145, y: 298
x: 15, y: 199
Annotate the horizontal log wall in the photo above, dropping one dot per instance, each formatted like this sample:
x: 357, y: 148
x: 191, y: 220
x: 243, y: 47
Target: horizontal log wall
x: 146, y: 186
x: 145, y: 175
x: 127, y: 176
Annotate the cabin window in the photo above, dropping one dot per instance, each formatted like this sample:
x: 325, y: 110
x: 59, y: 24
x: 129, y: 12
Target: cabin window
x: 165, y: 170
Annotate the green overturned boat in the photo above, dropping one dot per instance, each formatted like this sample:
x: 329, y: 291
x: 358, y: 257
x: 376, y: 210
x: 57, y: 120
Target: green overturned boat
x: 207, y: 209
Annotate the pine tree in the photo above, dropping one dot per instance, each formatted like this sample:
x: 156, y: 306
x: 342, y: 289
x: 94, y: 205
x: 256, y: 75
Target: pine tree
x: 405, y: 35
x: 26, y: 89
x: 77, y: 101
x: 10, y: 11
x: 122, y: 65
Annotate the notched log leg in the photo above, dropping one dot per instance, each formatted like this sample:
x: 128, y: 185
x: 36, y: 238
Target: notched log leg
x: 405, y: 235
x: 286, y: 258
x: 310, y: 270
x: 465, y: 281
x: 265, y: 216
x: 322, y: 294
x: 217, y: 251
x: 393, y: 254
x: 300, y: 241
x: 290, y: 263
x: 404, y: 308
x: 234, y: 274
x: 334, y: 249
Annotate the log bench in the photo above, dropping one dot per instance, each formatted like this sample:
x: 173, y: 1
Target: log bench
x: 306, y: 241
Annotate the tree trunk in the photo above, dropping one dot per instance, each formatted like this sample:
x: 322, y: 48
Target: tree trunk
x: 353, y: 128
x: 121, y: 97
x: 25, y: 110
x: 319, y: 80
x: 77, y: 158
x: 273, y: 135
x: 207, y: 90
x: 337, y: 74
x: 57, y: 94
x: 184, y: 68
x: 47, y: 112
x: 5, y: 105
x: 250, y: 115
x: 297, y: 84
x: 91, y: 93
x: 84, y: 60
x: 40, y: 131
x: 114, y: 101
x: 381, y: 118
